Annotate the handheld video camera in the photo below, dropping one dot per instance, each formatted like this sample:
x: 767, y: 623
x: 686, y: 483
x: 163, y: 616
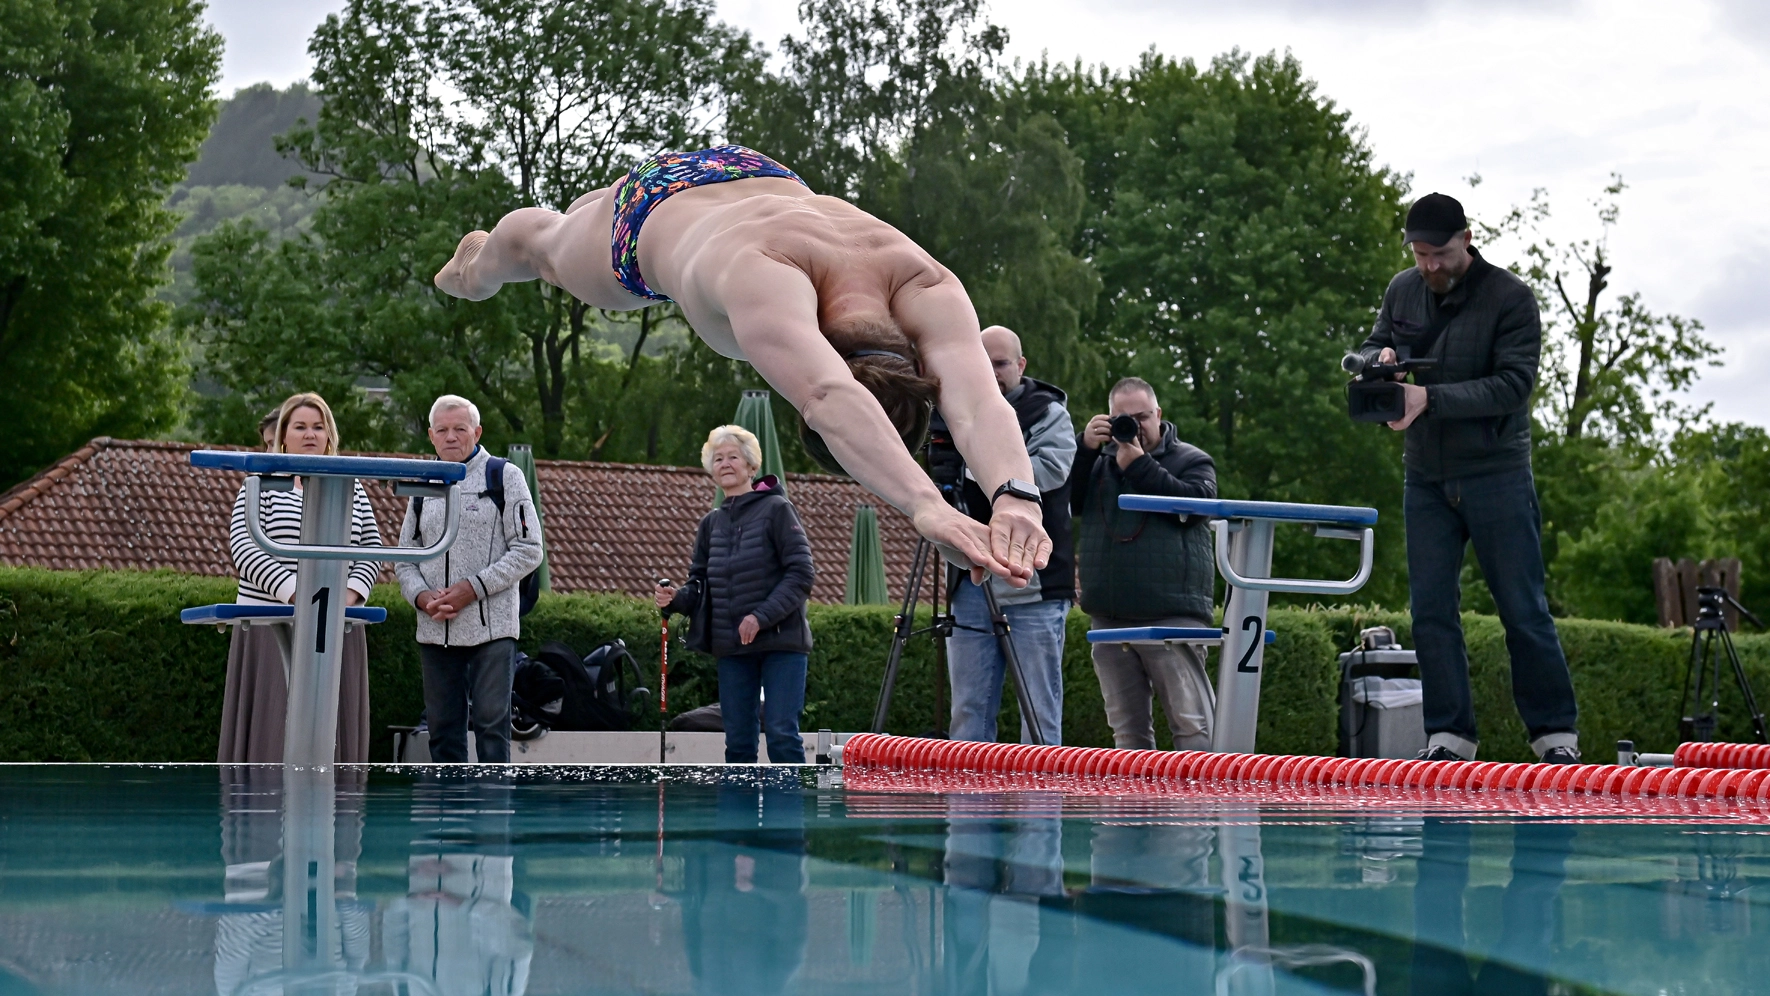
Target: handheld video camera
x: 1372, y: 396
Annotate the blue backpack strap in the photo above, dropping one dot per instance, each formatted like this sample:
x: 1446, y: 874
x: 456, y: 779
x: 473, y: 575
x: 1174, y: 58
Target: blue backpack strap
x: 495, y: 482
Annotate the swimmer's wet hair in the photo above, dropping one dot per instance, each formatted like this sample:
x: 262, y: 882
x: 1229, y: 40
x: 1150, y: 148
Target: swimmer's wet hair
x: 884, y: 361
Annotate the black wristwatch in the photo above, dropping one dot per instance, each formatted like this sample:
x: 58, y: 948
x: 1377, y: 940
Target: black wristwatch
x: 1019, y: 489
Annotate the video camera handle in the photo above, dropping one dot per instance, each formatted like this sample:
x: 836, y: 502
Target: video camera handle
x: 1359, y: 366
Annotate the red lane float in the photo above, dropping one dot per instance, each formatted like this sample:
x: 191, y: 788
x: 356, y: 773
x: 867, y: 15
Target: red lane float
x: 916, y: 764
x: 1701, y: 755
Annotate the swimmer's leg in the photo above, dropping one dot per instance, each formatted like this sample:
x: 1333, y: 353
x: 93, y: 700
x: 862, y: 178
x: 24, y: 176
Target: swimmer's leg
x: 512, y: 252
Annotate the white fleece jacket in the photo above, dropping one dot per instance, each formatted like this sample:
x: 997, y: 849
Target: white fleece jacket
x: 493, y: 552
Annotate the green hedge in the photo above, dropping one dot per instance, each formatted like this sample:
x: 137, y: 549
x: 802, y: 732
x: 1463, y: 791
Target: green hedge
x: 95, y: 666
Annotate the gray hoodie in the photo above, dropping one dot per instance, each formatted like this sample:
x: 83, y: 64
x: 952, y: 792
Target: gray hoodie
x: 493, y: 552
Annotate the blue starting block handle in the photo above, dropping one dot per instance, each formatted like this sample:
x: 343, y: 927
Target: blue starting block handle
x: 225, y: 613
x: 1219, y: 508
x: 309, y: 465
x: 1165, y: 634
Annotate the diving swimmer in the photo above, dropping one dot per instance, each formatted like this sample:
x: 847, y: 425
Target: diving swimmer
x: 853, y: 323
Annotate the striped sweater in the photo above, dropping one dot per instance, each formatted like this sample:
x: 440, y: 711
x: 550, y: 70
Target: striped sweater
x: 268, y: 580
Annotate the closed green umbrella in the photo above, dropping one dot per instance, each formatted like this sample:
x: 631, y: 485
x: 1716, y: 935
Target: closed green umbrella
x: 523, y: 456
x: 757, y: 415
x: 866, y: 561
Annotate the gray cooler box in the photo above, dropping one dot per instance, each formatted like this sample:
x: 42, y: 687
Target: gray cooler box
x: 1380, y: 708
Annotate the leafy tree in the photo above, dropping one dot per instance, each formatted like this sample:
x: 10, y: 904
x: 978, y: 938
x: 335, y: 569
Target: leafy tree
x: 1610, y: 369
x: 1611, y: 376
x: 1657, y: 510
x: 999, y: 200
x: 1243, y: 235
x: 102, y: 103
x: 439, y: 117
x: 865, y: 75
x: 897, y: 105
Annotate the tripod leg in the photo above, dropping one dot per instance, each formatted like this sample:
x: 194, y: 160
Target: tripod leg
x: 1745, y: 687
x: 942, y: 679
x: 1692, y: 671
x: 1022, y: 693
x: 906, y: 621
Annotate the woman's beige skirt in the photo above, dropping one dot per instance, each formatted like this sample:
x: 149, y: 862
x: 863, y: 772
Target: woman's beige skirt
x: 256, y: 699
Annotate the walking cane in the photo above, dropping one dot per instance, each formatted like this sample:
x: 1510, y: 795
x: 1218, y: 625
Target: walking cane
x: 664, y: 679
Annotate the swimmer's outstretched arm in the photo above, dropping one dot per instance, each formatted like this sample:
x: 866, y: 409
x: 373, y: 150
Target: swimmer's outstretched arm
x: 772, y: 308
x: 936, y: 314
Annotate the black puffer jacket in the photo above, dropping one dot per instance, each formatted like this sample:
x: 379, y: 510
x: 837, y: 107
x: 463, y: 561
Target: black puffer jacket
x: 1477, y: 418
x: 751, y: 557
x: 1143, y: 565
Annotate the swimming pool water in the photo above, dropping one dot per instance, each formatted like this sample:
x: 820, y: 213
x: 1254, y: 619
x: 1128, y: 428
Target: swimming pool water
x: 197, y: 879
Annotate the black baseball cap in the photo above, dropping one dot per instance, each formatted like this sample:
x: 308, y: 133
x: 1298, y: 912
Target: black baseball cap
x: 1434, y: 218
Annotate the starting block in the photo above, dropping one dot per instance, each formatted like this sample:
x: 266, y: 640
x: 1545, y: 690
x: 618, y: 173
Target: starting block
x: 311, y: 631
x: 1244, y: 533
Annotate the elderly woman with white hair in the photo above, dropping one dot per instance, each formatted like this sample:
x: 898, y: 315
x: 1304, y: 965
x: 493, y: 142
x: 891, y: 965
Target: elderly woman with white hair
x: 745, y: 597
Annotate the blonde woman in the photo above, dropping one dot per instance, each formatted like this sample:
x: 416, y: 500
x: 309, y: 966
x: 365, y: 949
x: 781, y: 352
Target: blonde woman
x: 256, y: 698
x: 746, y: 593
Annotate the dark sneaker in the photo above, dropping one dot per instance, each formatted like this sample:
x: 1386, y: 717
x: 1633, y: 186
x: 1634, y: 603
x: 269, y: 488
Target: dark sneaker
x: 1439, y: 753
x: 1561, y: 755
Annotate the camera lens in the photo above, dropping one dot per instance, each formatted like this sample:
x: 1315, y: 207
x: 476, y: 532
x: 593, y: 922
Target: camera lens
x: 1124, y: 428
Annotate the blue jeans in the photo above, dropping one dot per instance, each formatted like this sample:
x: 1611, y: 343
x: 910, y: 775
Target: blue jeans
x: 976, y: 664
x: 459, y: 678
x: 1499, y: 514
x: 742, y: 678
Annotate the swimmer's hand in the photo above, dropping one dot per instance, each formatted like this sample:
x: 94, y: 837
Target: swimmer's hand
x: 1017, y: 536
x: 456, y: 278
x: 967, y: 544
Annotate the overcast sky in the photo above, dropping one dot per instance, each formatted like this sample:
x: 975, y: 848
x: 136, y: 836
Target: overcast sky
x: 1535, y: 93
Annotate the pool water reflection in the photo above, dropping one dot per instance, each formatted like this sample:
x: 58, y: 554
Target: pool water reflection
x: 257, y: 880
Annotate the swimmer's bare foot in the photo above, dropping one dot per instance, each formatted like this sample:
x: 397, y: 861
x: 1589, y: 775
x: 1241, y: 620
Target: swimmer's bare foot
x: 453, y: 278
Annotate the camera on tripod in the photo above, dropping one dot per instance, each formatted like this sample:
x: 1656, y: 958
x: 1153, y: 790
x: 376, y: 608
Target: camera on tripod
x: 1700, y: 714
x: 1373, y: 395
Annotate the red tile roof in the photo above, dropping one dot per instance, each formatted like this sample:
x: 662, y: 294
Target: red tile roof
x: 610, y: 527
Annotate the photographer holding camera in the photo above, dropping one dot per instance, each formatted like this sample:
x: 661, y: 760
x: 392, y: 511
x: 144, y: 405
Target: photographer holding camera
x: 1468, y: 477
x: 1036, y: 613
x: 1143, y: 569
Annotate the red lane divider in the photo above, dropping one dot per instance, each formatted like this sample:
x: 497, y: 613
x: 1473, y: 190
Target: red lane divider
x: 1700, y: 755
x: 873, y: 761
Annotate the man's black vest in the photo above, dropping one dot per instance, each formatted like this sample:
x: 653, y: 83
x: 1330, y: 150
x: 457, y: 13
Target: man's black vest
x: 1058, y: 579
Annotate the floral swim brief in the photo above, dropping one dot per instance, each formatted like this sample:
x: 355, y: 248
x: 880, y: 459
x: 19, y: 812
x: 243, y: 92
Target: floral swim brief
x: 648, y: 183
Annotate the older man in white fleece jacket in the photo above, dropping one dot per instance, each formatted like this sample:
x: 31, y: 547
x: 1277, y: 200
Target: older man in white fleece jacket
x: 468, y: 599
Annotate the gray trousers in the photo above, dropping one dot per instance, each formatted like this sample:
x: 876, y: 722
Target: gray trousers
x: 1130, y: 674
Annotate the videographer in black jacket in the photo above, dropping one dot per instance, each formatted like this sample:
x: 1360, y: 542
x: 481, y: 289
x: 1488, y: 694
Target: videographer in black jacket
x: 1467, y: 457
x: 1145, y: 569
x: 745, y: 597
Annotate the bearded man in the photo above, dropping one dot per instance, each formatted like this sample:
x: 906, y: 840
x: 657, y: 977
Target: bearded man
x: 1468, y: 478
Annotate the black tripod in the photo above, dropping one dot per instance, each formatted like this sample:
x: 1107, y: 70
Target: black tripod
x: 1709, y: 630
x: 942, y: 627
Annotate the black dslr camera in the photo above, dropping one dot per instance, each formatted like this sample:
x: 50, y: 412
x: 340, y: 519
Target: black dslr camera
x: 1123, y: 427
x: 1372, y: 396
